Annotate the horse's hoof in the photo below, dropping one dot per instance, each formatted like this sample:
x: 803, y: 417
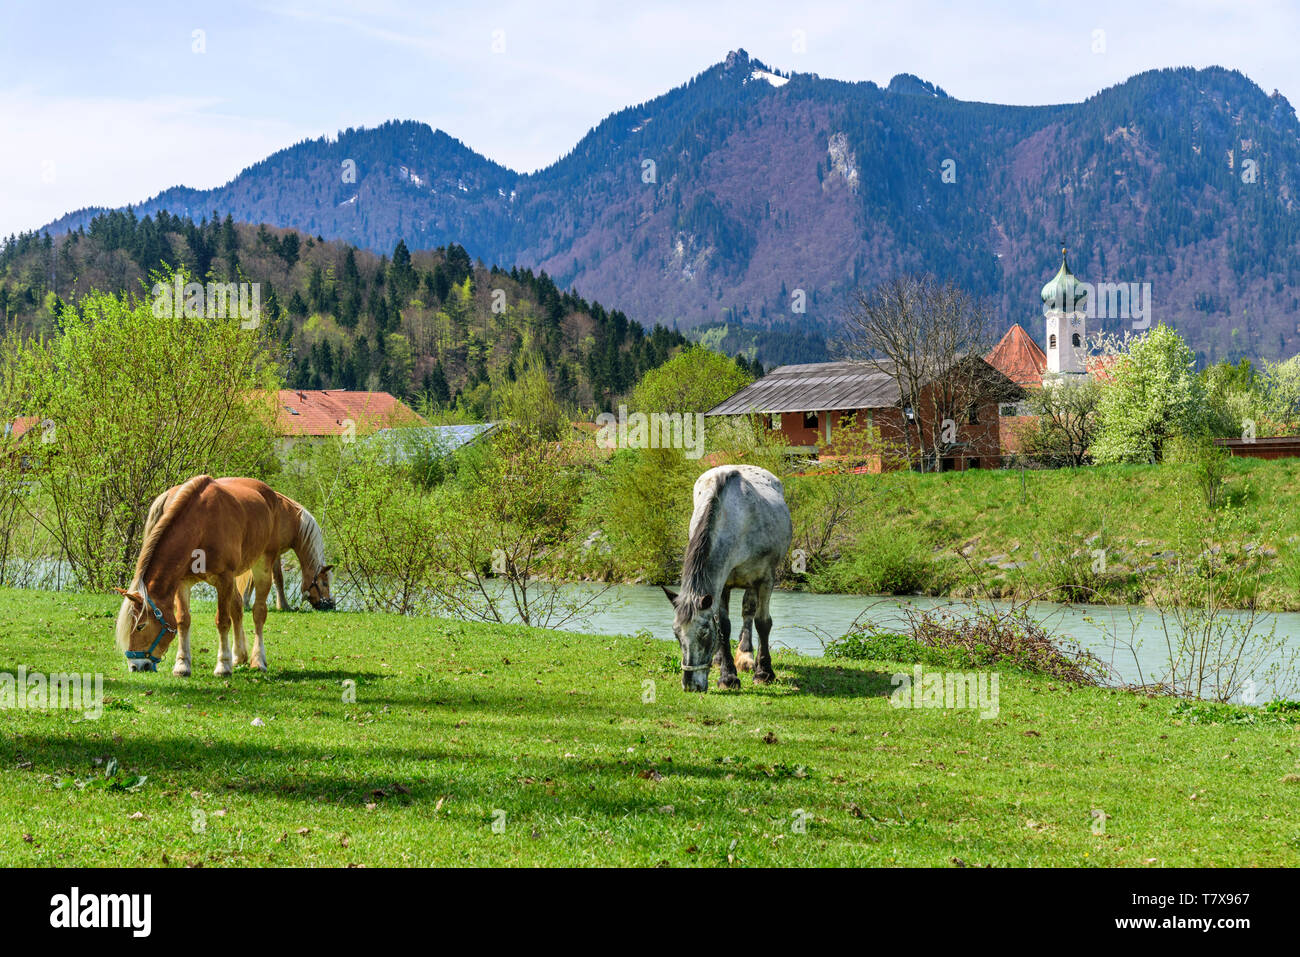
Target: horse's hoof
x: 222, y: 671
x: 179, y: 672
x: 729, y: 684
x: 764, y: 677
x: 744, y: 661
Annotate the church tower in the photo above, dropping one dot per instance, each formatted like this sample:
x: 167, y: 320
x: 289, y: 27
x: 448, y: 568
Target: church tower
x: 1064, y: 305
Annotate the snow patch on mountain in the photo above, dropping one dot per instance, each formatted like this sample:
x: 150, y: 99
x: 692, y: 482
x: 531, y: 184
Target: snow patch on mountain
x: 411, y: 177
x: 770, y: 77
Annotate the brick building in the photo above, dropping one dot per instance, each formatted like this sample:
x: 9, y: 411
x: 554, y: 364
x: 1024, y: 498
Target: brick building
x: 812, y: 404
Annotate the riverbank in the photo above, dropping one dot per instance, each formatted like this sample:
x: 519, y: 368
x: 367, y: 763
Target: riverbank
x: 1102, y: 534
x: 583, y: 750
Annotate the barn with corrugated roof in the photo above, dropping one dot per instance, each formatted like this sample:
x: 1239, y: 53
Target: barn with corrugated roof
x: 814, y: 403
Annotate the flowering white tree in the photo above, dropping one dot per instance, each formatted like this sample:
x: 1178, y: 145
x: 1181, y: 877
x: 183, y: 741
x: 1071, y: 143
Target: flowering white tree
x: 1282, y: 389
x: 1154, y: 395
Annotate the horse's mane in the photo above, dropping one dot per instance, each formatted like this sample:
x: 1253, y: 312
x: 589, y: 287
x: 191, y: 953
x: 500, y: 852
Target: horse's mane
x: 309, y: 535
x: 156, y: 510
x: 173, y: 507
x: 695, y: 584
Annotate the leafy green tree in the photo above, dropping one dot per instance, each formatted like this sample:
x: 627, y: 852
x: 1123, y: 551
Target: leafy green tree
x: 509, y: 525
x: 383, y: 529
x: 1281, y: 392
x: 529, y: 402
x: 136, y: 399
x: 642, y: 503
x: 1154, y: 395
x: 1234, y: 399
x: 694, y: 380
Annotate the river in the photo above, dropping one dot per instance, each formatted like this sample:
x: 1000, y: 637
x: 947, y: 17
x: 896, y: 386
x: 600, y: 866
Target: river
x: 1130, y: 639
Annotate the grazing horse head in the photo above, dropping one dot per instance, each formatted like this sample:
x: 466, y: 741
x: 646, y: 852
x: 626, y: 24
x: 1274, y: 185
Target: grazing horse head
x: 143, y: 632
x: 311, y: 555
x: 696, y: 628
x: 317, y: 591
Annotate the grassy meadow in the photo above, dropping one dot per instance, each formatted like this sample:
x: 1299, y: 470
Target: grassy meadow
x: 470, y: 744
x: 1022, y: 534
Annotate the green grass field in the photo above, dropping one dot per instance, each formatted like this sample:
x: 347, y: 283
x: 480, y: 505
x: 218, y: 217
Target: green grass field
x: 552, y: 738
x: 1003, y: 519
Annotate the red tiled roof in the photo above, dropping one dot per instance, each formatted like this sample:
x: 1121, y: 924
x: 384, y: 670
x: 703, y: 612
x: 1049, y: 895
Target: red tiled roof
x: 1018, y: 358
x: 1102, y: 367
x: 23, y: 424
x: 325, y: 412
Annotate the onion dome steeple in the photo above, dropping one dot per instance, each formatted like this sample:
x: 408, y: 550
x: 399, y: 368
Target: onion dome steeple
x: 1063, y: 291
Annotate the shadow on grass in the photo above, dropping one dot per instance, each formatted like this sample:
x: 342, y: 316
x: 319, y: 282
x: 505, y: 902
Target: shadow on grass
x: 291, y: 676
x: 837, y: 681
x: 394, y: 775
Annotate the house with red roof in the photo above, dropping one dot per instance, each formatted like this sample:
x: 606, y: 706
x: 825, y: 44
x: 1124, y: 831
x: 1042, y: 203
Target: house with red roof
x: 1019, y: 358
x: 319, y: 414
x: 21, y: 426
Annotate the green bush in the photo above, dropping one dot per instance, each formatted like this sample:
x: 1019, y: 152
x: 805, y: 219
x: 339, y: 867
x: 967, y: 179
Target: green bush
x: 383, y: 530
x: 867, y: 645
x: 1213, y: 712
x: 888, y: 561
x: 641, y: 502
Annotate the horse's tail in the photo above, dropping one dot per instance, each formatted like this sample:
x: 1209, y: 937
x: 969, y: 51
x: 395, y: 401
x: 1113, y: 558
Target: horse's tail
x: 694, y: 583
x: 244, y: 586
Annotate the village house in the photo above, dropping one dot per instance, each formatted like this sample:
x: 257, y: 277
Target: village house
x: 1019, y: 358
x: 14, y: 435
x: 21, y: 426
x: 814, y: 403
x: 809, y: 404
x: 314, y: 415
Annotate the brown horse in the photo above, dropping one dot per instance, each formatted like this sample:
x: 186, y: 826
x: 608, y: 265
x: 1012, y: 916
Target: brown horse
x: 249, y: 590
x: 215, y: 531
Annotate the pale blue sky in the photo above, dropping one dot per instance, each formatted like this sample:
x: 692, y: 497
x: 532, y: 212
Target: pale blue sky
x: 105, y: 104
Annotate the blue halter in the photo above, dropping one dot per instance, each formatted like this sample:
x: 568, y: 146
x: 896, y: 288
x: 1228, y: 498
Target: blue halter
x: 138, y: 655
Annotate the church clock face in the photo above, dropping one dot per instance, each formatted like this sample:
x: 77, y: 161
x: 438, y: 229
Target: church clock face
x: 1074, y: 320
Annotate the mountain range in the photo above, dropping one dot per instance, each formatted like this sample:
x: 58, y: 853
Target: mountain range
x: 747, y: 204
